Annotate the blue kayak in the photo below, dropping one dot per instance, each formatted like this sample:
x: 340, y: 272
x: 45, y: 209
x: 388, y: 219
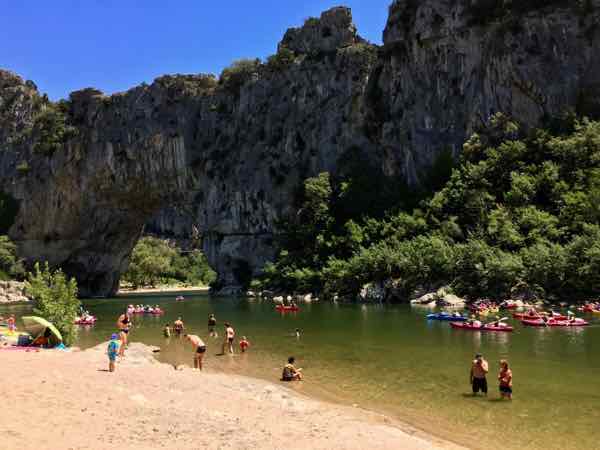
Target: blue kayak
x: 446, y: 316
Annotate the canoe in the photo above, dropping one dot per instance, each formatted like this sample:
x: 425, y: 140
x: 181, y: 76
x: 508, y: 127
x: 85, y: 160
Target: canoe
x: 446, y: 316
x: 88, y: 321
x: 287, y: 308
x: 555, y: 323
x: 538, y: 316
x: 465, y: 326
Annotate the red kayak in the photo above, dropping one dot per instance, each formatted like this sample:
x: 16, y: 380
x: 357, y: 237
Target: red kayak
x: 555, y: 323
x: 528, y: 316
x: 283, y: 308
x: 465, y: 326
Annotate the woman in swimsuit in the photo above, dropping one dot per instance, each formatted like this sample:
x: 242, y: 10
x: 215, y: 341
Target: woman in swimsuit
x: 124, y: 325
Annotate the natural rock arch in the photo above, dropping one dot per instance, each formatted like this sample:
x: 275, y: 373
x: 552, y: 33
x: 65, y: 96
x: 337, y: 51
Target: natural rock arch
x: 228, y: 157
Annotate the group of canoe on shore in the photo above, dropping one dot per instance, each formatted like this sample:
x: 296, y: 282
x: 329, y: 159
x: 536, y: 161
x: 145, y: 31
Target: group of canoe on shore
x: 119, y: 341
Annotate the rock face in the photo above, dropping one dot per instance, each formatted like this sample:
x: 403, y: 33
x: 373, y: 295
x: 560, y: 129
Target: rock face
x: 226, y: 159
x: 12, y: 292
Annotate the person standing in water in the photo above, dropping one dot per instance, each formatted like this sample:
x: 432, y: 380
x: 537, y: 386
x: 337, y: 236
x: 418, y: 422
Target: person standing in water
x: 200, y: 349
x: 212, y: 326
x: 123, y: 325
x: 167, y: 331
x: 479, y: 370
x: 229, y: 337
x: 505, y: 379
x: 244, y: 344
x: 112, y: 351
x: 178, y: 326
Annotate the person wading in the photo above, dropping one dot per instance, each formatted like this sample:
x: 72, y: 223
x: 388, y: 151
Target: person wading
x: 505, y: 379
x: 479, y: 370
x: 123, y: 325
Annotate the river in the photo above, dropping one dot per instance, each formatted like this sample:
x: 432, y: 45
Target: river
x: 390, y: 359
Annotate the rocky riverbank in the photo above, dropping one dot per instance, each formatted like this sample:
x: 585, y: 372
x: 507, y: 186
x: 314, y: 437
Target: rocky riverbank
x: 74, y: 403
x: 13, y: 292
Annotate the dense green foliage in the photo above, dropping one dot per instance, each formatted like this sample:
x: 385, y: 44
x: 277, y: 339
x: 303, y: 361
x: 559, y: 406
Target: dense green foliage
x: 281, y: 60
x: 11, y: 267
x: 520, y: 214
x: 154, y: 261
x: 51, y: 128
x: 55, y: 299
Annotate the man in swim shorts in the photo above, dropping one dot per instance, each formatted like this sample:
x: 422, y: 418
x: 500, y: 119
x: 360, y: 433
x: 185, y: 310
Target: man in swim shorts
x: 479, y: 370
x: 229, y: 336
x: 112, y: 351
x: 178, y: 326
x: 200, y: 349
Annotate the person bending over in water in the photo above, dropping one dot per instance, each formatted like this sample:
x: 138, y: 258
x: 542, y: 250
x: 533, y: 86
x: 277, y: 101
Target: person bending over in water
x: 200, y: 349
x: 123, y: 325
x: 212, y: 326
x: 167, y: 331
x: 112, y: 351
x: 505, y: 378
x: 178, y: 326
x: 244, y: 344
x: 479, y: 369
x: 290, y: 373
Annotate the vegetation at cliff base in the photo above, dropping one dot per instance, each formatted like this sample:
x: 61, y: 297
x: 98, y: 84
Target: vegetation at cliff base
x: 11, y: 267
x: 519, y: 215
x: 55, y: 298
x: 158, y: 262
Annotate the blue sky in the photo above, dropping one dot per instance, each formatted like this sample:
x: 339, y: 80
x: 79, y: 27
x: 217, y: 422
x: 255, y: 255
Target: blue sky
x: 64, y: 45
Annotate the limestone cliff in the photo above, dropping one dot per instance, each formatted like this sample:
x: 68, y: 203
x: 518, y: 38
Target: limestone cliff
x: 227, y: 157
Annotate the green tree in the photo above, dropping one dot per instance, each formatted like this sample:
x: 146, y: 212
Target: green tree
x: 55, y: 298
x: 10, y: 265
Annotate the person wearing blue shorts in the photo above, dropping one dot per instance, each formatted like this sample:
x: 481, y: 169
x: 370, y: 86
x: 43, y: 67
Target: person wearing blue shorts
x: 112, y: 351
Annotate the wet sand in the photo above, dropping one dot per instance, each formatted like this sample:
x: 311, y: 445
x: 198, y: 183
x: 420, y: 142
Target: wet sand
x: 67, y: 400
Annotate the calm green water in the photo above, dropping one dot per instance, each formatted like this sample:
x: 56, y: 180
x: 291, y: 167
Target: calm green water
x: 390, y: 359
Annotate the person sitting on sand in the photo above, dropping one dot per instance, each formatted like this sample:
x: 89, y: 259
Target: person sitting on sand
x: 178, y: 326
x: 244, y: 344
x: 505, y: 378
x: 112, y: 351
x: 290, y: 373
x: 200, y: 349
x: 43, y: 340
x: 167, y: 331
x: 479, y: 370
x: 212, y: 326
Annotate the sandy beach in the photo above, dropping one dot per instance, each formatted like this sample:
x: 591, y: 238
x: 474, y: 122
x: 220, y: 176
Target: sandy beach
x: 67, y: 400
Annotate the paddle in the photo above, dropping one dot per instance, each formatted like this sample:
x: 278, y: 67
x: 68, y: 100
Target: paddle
x: 498, y: 321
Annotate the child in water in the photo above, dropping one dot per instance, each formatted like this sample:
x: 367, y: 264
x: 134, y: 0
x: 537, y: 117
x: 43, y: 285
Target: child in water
x: 244, y: 344
x: 112, y: 351
x: 167, y: 331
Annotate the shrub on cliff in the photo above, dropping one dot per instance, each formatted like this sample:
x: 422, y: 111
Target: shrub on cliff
x: 55, y: 298
x: 280, y: 61
x: 239, y: 73
x: 51, y: 129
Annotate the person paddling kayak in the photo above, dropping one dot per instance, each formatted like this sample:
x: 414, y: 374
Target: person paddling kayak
x: 479, y: 370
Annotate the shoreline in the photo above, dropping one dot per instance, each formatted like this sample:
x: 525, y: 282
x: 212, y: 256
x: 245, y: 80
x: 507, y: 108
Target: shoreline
x: 178, y: 408
x: 123, y: 292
